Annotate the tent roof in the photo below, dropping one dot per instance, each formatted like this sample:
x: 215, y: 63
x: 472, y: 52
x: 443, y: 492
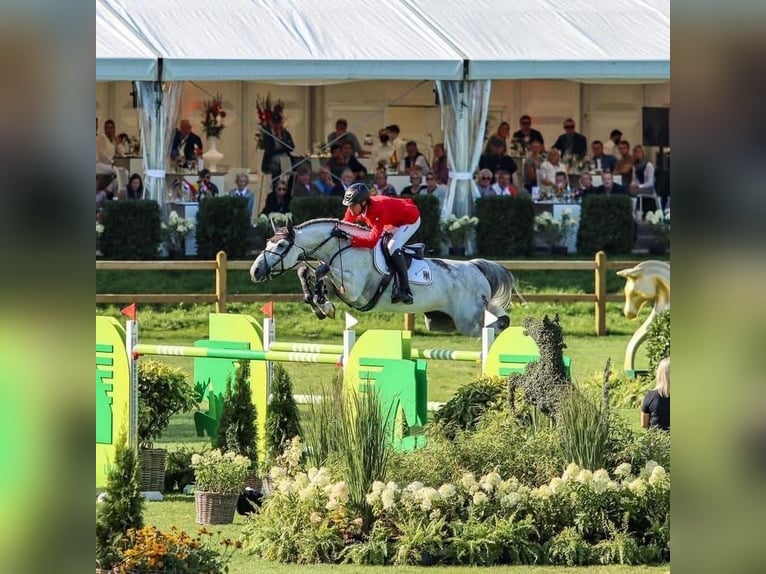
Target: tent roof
x: 310, y: 42
x: 120, y: 53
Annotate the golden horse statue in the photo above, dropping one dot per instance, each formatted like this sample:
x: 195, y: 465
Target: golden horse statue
x: 647, y: 282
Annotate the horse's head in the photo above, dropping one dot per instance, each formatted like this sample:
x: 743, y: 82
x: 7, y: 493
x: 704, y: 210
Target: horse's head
x: 640, y: 288
x: 279, y: 255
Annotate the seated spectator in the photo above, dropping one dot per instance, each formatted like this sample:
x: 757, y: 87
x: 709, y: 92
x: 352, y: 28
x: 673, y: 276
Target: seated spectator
x: 642, y: 180
x: 381, y: 185
x: 550, y: 167
x: 484, y: 183
x: 324, y: 182
x: 337, y: 162
x: 532, y: 163
x: 135, y: 189
x: 342, y: 135
x: 416, y: 183
x: 611, y: 146
x: 302, y: 187
x: 278, y: 201
x: 526, y: 134
x: 383, y: 152
x: 241, y: 189
x: 439, y: 164
x: 503, y: 184
x: 599, y: 159
x: 347, y: 150
x: 655, y: 408
x: 608, y: 186
x: 570, y: 143
x: 413, y: 158
x: 205, y: 187
x: 585, y: 186
x: 433, y: 187
x: 495, y: 159
x: 624, y: 165
x: 561, y: 183
x: 347, y: 178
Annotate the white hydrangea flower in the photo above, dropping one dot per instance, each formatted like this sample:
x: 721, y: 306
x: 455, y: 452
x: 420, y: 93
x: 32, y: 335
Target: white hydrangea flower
x: 623, y: 470
x: 658, y: 475
x: 637, y: 486
x: 447, y: 491
x: 601, y: 475
x: 510, y: 500
x: 378, y: 487
x: 99, y: 228
x: 285, y: 486
x: 510, y: 485
x: 556, y: 485
x: 392, y: 486
x: 648, y: 468
x: 315, y: 517
x: 387, y: 498
x: 340, y: 491
x: 543, y: 491
x: 584, y: 476
x: 414, y: 486
x: 479, y: 498
x: 277, y: 472
x: 571, y: 472
x: 372, y: 498
x: 469, y: 482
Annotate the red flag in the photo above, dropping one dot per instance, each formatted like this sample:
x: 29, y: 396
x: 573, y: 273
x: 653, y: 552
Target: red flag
x: 268, y: 309
x: 130, y: 311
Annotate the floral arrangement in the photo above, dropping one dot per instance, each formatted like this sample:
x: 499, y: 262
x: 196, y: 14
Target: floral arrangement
x: 457, y: 229
x: 212, y: 125
x: 221, y: 473
x: 176, y: 229
x: 555, y: 231
x: 266, y: 110
x: 659, y: 225
x: 151, y: 550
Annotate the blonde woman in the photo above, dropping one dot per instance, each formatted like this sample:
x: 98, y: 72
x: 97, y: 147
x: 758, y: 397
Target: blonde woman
x: 655, y: 410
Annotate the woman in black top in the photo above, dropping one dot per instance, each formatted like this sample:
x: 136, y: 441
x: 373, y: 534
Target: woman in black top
x: 655, y: 410
x: 278, y: 201
x: 135, y: 187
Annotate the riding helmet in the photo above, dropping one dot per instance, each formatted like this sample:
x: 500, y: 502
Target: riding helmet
x: 356, y: 193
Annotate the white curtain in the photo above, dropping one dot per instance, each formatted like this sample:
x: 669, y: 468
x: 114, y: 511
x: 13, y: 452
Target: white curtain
x: 464, y: 107
x: 158, y: 104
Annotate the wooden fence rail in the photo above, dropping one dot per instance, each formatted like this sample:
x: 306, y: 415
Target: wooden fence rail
x: 221, y: 298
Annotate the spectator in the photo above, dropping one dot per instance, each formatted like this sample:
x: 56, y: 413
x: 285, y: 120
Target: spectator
x: 570, y: 143
x: 586, y: 186
x: 416, y: 183
x: 608, y: 186
x: 324, y: 182
x: 624, y: 164
x: 347, y: 179
x: 599, y: 160
x: 439, y: 164
x: 277, y: 143
x: 186, y: 144
x: 495, y: 159
x: 397, y: 141
x: 550, y: 167
x: 642, y: 180
x: 433, y: 187
x: 484, y: 183
x: 381, y: 185
x: 278, y: 201
x: 103, y: 181
x: 205, y: 187
x: 241, y: 190
x: 383, y: 152
x: 303, y: 186
x: 337, y: 162
x: 526, y: 134
x: 413, y: 158
x: 532, y: 164
x: 611, y: 146
x: 108, y: 145
x: 342, y: 135
x: 503, y: 184
x: 135, y: 189
x: 655, y: 409
x: 347, y: 150
x: 561, y: 183
x: 503, y: 132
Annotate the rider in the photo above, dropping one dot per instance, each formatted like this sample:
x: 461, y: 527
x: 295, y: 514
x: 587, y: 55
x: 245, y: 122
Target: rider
x: 380, y: 212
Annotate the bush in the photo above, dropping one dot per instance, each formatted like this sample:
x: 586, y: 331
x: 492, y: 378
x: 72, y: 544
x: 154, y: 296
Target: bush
x: 658, y: 341
x: 469, y: 403
x: 429, y: 231
x: 506, y: 226
x: 223, y: 224
x: 162, y: 393
x: 283, y: 419
x: 606, y: 224
x: 583, y: 425
x: 237, y: 432
x: 316, y: 207
x: 132, y: 229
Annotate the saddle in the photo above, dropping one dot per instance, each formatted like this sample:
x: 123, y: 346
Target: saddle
x: 418, y: 269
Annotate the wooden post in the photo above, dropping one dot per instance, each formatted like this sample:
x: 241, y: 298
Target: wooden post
x: 409, y: 322
x: 600, y: 280
x: 221, y: 275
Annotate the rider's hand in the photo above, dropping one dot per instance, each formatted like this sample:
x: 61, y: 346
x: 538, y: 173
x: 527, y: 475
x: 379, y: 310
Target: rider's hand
x: 338, y: 232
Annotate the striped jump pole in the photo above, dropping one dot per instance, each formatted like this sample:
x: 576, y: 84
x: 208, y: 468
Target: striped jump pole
x: 445, y: 355
x: 236, y: 354
x: 306, y: 347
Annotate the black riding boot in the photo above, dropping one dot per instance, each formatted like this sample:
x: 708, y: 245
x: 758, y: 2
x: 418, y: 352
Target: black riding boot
x: 403, y: 294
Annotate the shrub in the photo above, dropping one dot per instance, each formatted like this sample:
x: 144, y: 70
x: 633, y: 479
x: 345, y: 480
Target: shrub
x: 506, y: 226
x: 222, y: 473
x: 223, y: 224
x: 658, y: 341
x: 429, y: 231
x: 121, y: 509
x: 162, y: 393
x: 321, y: 432
x: 568, y: 548
x: 283, y: 418
x: 178, y: 469
x: 469, y: 403
x: 321, y: 206
x: 606, y: 225
x: 237, y: 432
x: 583, y: 425
x: 132, y: 229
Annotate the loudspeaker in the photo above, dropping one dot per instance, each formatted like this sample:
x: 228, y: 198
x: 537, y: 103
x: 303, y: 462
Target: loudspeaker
x: 656, y: 126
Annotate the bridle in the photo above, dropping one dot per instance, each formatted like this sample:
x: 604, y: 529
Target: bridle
x: 304, y: 256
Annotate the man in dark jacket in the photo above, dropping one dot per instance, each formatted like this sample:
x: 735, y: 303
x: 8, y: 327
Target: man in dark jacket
x: 495, y: 159
x: 570, y: 142
x: 186, y: 142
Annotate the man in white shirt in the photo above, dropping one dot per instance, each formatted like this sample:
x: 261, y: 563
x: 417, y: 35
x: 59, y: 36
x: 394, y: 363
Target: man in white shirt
x: 413, y: 159
x: 242, y: 190
x: 503, y: 184
x: 550, y: 167
x: 383, y: 151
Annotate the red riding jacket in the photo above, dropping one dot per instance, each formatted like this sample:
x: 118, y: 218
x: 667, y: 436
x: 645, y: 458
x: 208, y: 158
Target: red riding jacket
x: 382, y: 212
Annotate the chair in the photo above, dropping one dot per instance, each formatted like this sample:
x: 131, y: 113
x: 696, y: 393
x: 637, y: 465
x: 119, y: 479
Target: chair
x: 640, y: 197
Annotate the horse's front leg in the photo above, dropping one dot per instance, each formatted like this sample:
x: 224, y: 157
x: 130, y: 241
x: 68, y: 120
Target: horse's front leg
x: 304, y: 274
x: 320, y: 294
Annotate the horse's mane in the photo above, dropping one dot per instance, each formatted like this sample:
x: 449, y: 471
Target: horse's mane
x: 318, y: 220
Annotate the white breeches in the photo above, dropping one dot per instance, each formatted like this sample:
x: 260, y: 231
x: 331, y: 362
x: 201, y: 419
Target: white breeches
x: 402, y: 235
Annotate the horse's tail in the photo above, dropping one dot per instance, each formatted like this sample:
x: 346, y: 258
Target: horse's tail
x: 501, y: 282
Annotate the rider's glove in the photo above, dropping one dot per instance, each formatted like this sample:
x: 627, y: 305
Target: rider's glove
x: 338, y: 232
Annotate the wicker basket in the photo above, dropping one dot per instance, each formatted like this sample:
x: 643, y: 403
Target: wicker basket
x: 152, y: 461
x: 215, y: 508
x: 253, y: 480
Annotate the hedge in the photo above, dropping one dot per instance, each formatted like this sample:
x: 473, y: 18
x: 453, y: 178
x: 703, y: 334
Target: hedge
x: 606, y: 224
x: 506, y: 226
x: 132, y: 229
x: 223, y: 224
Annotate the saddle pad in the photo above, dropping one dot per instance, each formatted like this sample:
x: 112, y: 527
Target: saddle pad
x: 419, y: 271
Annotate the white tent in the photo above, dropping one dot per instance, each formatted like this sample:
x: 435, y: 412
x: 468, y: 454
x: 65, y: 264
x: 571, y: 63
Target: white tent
x: 120, y: 53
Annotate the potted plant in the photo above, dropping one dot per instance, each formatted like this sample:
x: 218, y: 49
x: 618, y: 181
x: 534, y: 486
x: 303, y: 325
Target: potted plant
x: 658, y: 223
x: 218, y: 483
x: 175, y: 232
x: 162, y: 393
x: 456, y: 231
x: 554, y: 232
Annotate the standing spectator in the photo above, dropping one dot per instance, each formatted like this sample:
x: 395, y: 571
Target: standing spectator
x: 571, y: 143
x: 439, y: 164
x: 611, y: 146
x: 347, y: 179
x: 135, y: 189
x: 205, y: 187
x: 324, y: 182
x: 655, y: 409
x: 397, y: 141
x: 484, y: 183
x: 495, y: 159
x: 600, y: 160
x: 342, y: 135
x: 242, y: 190
x: 624, y: 164
x: 526, y: 134
x: 278, y: 201
x: 381, y: 185
x: 277, y: 143
x: 186, y: 144
x: 643, y: 173
x: 434, y: 188
x: 416, y: 183
x: 383, y: 152
x: 413, y: 158
x: 503, y: 184
x: 303, y: 186
x: 503, y: 132
x: 532, y: 164
x: 108, y: 145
